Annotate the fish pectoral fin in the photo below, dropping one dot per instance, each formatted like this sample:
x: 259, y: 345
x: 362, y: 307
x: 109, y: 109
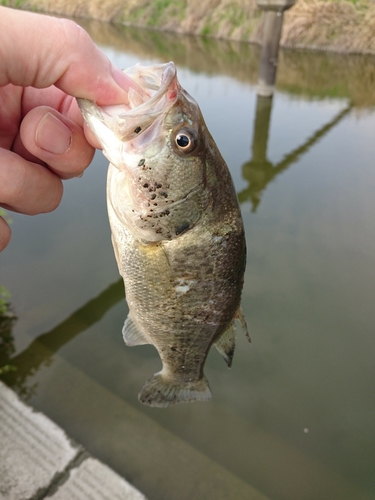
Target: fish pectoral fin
x: 160, y: 392
x: 226, y: 343
x: 132, y: 335
x: 241, y: 318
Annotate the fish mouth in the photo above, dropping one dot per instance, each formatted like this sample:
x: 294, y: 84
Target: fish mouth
x: 158, y: 92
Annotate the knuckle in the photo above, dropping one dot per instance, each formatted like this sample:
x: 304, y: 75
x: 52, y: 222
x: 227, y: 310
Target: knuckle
x: 73, y: 34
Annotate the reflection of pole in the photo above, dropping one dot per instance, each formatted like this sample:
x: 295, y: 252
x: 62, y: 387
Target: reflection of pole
x: 259, y: 172
x: 261, y: 127
x: 42, y: 349
x: 273, y: 22
x: 258, y: 169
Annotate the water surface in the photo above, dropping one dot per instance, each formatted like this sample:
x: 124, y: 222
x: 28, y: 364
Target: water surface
x: 294, y: 418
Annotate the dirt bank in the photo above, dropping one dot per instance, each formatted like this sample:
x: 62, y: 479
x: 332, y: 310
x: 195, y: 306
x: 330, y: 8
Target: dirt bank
x: 335, y: 25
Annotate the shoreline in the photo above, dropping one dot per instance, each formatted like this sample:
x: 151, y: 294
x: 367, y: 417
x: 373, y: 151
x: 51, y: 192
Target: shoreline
x: 340, y: 26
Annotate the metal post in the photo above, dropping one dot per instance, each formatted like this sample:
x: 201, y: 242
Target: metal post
x: 273, y: 22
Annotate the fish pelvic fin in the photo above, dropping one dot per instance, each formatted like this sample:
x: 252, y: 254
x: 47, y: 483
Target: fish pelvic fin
x: 161, y: 392
x: 131, y: 334
x: 226, y: 343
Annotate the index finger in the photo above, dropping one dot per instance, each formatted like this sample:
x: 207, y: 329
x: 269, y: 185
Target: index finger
x: 40, y: 51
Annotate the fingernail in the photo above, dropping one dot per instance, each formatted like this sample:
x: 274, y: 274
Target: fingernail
x: 53, y: 135
x: 124, y: 81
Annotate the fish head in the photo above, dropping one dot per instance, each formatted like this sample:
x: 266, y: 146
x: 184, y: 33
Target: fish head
x: 157, y: 143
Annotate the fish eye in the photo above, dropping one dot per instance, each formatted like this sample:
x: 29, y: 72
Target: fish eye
x: 185, y: 141
x: 182, y: 140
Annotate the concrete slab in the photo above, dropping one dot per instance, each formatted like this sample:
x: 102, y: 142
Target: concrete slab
x: 96, y: 481
x: 160, y: 463
x: 37, y: 459
x: 33, y: 449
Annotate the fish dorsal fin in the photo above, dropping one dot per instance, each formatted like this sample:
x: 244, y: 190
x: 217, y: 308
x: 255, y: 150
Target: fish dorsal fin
x: 226, y: 343
x: 132, y: 335
x: 241, y: 318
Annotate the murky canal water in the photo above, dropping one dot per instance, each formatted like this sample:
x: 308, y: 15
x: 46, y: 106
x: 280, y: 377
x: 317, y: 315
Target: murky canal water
x: 294, y: 418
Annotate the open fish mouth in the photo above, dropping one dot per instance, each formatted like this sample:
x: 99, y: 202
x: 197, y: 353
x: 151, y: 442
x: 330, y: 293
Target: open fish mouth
x: 154, y: 83
x: 158, y: 89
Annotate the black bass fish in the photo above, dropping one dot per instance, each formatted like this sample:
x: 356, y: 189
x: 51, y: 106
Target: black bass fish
x: 177, y: 231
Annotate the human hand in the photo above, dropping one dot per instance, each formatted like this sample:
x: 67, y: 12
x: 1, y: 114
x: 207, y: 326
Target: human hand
x: 45, y: 63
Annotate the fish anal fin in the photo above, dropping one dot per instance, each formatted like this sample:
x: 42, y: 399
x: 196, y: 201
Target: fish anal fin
x: 160, y: 392
x: 226, y: 343
x: 241, y: 319
x: 132, y: 335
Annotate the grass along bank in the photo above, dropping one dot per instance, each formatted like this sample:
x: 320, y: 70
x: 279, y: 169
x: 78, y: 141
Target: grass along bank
x: 334, y: 25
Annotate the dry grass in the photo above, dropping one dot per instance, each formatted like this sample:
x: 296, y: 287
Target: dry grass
x: 337, y: 25
x: 330, y: 25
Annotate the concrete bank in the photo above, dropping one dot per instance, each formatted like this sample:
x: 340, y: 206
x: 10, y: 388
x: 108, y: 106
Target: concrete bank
x: 38, y: 460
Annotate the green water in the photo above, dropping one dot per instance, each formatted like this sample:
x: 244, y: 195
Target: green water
x: 294, y: 417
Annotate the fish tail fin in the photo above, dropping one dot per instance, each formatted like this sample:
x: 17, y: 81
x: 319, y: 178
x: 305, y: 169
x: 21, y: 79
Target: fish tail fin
x: 160, y: 392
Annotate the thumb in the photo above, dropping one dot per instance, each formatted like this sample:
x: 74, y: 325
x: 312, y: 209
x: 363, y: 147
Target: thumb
x: 55, y: 140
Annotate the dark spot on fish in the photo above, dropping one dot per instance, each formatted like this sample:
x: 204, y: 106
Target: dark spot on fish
x: 145, y: 185
x: 155, y: 204
x: 163, y: 193
x: 153, y: 196
x: 137, y: 130
x: 166, y: 212
x: 158, y: 185
x: 182, y: 228
x: 141, y: 162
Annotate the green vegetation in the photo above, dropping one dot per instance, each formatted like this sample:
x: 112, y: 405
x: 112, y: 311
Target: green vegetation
x: 163, y: 10
x: 4, y: 300
x: 7, y: 318
x: 5, y: 215
x: 154, y: 14
x: 17, y: 4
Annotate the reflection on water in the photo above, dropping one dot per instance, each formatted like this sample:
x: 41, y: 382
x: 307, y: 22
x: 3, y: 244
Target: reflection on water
x: 40, y: 352
x: 311, y: 74
x: 259, y: 171
x: 293, y: 418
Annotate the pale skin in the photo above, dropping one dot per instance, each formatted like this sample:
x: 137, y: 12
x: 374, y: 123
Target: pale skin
x: 45, y: 63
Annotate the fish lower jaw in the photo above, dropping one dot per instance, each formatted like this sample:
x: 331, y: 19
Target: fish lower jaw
x: 160, y: 391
